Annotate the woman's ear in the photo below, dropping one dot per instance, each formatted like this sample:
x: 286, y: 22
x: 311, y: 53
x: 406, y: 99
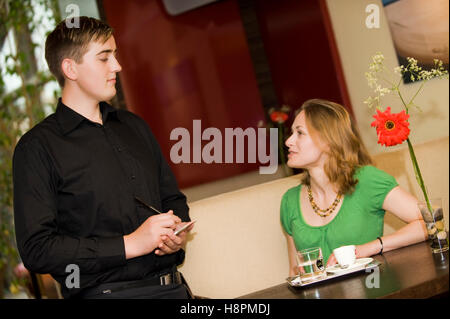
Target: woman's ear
x: 69, y: 69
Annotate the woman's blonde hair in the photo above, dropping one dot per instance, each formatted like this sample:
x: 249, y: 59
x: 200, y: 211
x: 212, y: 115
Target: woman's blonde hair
x: 330, y: 123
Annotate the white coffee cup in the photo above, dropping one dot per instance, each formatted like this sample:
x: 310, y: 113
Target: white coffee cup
x: 345, y: 255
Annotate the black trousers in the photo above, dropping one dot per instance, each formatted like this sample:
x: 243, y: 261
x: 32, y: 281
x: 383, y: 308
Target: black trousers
x: 108, y: 291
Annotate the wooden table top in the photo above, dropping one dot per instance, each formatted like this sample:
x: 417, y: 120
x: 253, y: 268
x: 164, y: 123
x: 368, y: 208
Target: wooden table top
x: 409, y: 272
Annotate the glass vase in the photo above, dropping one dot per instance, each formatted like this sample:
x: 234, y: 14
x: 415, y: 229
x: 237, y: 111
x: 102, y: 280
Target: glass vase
x: 434, y: 221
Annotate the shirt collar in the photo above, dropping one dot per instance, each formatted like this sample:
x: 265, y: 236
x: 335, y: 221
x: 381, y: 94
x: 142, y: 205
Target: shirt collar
x: 68, y: 119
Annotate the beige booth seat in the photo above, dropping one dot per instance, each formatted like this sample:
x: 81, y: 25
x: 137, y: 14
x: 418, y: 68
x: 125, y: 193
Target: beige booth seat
x: 238, y: 246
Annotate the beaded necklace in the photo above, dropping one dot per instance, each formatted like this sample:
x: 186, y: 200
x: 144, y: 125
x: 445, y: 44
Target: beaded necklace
x: 323, y: 212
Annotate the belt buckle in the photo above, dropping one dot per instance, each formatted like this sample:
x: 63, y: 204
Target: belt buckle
x: 170, y: 278
x: 166, y: 279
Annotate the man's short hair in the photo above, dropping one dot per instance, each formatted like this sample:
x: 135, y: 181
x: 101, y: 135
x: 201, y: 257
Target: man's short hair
x: 72, y: 42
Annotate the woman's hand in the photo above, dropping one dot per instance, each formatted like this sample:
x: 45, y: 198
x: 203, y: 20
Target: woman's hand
x: 360, y: 252
x: 331, y: 261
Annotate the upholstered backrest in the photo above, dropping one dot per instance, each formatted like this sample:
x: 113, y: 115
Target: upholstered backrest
x: 237, y: 245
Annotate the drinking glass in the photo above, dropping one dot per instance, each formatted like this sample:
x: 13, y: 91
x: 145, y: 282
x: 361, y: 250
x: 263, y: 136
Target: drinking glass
x: 310, y: 264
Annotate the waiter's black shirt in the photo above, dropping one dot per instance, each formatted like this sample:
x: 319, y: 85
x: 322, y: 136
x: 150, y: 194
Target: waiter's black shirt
x: 75, y: 183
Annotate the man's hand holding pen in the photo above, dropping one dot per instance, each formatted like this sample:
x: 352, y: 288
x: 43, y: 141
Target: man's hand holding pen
x: 148, y: 236
x: 157, y: 232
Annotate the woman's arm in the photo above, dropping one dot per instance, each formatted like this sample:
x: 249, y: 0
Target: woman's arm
x: 403, y: 205
x: 292, y: 252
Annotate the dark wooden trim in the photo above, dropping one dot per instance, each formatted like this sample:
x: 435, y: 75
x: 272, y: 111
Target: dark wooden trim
x: 258, y: 54
x: 36, y: 286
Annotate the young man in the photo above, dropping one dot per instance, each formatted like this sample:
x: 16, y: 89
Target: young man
x: 83, y: 177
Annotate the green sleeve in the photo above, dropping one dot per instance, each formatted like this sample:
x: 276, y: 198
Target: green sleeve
x: 375, y: 184
x: 286, y: 212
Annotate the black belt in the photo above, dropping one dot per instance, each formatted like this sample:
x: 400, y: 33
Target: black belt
x: 160, y: 279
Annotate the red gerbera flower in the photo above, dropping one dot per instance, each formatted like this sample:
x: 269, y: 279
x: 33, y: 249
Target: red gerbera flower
x: 392, y: 129
x: 278, y: 117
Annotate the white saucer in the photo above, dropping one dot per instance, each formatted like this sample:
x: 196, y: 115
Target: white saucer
x: 359, y: 263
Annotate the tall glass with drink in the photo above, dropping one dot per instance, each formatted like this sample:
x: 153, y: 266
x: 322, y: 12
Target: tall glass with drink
x: 310, y: 264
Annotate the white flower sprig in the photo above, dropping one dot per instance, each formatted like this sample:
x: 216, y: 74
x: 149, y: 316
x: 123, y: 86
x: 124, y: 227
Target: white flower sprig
x: 378, y: 75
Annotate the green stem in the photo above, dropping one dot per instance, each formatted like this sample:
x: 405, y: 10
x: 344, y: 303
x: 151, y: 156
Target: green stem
x: 416, y: 167
x: 418, y: 174
x: 403, y: 101
x: 420, y: 88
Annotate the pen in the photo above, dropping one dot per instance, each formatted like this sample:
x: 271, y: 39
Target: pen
x: 147, y: 205
x: 154, y: 209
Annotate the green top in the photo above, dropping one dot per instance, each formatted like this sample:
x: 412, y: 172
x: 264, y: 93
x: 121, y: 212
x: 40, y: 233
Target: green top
x: 359, y: 220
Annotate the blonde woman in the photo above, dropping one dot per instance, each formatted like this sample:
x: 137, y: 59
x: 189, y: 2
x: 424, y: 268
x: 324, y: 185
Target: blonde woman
x: 342, y: 197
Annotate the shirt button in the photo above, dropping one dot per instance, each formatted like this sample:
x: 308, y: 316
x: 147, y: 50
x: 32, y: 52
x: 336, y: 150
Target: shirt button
x: 119, y: 149
x: 133, y: 177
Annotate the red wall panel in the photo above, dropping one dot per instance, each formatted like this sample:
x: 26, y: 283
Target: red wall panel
x: 192, y: 66
x: 298, y: 50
